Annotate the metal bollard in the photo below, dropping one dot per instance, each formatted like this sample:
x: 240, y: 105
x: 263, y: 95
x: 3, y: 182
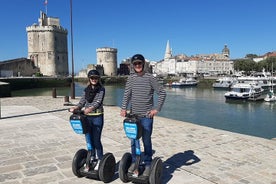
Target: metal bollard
x: 66, y: 99
x: 54, y: 93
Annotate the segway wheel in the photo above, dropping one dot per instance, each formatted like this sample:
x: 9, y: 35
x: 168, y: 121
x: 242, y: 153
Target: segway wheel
x: 123, y: 167
x: 78, y: 162
x: 156, y: 171
x: 107, y: 168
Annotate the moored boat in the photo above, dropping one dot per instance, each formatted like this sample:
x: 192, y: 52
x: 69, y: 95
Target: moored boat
x: 263, y: 79
x: 244, y: 91
x: 183, y: 82
x: 224, y: 83
x: 270, y: 97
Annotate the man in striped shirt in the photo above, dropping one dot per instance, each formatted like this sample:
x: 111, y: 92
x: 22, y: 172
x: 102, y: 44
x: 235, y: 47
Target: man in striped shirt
x: 139, y: 94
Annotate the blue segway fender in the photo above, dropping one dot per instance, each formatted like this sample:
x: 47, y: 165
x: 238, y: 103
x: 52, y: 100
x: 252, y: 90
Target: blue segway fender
x: 132, y: 128
x: 78, y: 124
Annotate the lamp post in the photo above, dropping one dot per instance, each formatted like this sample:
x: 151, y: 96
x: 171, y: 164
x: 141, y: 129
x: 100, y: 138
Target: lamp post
x: 72, y: 54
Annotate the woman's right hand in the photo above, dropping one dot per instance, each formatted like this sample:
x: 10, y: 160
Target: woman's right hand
x: 73, y: 108
x: 123, y: 113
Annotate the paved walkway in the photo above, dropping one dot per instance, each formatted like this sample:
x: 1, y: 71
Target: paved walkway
x: 38, y: 144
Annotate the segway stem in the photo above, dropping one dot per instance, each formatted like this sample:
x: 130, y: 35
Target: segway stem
x: 88, y: 141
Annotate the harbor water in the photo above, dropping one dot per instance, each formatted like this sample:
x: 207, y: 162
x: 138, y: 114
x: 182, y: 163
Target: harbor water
x: 202, y: 106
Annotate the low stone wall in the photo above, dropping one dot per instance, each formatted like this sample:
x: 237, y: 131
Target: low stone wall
x: 5, y: 90
x: 36, y: 82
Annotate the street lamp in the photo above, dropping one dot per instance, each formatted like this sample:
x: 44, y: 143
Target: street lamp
x: 72, y: 54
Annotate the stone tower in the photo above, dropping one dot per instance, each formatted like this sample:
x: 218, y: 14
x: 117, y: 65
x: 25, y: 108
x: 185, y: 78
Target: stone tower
x: 168, y: 52
x: 107, y: 57
x: 47, y: 46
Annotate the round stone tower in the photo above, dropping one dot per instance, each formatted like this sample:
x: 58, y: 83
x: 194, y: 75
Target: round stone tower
x: 107, y: 57
x: 47, y: 46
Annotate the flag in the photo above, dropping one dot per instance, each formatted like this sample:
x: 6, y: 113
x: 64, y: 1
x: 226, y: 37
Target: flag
x: 45, y: 2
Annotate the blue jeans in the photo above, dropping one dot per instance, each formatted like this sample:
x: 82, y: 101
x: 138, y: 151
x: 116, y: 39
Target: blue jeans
x: 146, y: 138
x: 95, y: 130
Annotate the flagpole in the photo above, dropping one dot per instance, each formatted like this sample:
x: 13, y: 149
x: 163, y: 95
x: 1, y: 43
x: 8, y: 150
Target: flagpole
x: 72, y: 54
x: 46, y: 9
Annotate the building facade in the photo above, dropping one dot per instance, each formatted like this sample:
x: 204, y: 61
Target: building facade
x: 181, y: 65
x: 47, y: 46
x: 17, y: 68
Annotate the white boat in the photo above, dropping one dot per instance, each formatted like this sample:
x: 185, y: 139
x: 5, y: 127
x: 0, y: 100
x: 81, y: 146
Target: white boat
x: 183, y: 82
x: 263, y: 79
x: 244, y: 91
x: 224, y: 83
x: 270, y: 97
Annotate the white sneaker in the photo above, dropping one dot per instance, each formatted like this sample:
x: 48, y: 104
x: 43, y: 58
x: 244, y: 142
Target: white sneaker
x: 146, y: 171
x: 86, y: 168
x: 131, y: 168
x: 97, y: 166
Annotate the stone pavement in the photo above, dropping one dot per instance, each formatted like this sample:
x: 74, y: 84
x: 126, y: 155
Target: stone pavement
x: 38, y: 144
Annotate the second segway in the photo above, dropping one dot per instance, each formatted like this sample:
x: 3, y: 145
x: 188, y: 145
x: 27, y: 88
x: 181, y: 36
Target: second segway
x: 83, y: 164
x: 133, y: 130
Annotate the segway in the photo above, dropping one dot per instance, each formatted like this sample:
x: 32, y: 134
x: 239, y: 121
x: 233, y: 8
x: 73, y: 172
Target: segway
x: 133, y: 130
x: 83, y: 164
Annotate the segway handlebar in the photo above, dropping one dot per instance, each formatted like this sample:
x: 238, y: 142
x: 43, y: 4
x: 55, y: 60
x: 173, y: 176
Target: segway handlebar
x: 77, y: 111
x: 131, y: 115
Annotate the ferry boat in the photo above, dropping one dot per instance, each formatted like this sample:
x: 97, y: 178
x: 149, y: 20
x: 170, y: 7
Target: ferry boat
x: 244, y: 91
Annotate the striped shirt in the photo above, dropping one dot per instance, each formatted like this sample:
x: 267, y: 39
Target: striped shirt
x: 139, y: 94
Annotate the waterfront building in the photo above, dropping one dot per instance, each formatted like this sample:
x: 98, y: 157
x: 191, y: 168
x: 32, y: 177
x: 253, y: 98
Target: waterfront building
x: 17, y: 68
x: 47, y: 46
x: 181, y: 65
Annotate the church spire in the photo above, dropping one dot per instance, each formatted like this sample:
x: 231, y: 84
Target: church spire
x: 168, y: 53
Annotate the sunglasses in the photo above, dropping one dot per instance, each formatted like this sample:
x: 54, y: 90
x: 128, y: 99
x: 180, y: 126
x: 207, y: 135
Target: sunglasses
x: 94, y: 78
x: 137, y: 63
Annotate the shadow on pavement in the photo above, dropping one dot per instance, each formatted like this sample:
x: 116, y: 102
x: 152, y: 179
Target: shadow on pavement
x: 175, y: 162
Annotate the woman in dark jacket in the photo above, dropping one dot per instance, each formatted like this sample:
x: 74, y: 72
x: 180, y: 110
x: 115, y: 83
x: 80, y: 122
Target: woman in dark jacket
x: 92, y: 105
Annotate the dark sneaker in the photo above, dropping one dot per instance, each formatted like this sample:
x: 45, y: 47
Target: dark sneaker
x: 131, y: 168
x: 146, y: 171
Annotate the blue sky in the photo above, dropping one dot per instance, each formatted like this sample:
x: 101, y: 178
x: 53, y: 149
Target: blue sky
x: 144, y: 26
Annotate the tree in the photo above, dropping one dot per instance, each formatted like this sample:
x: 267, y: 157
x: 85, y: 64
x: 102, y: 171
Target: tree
x: 251, y: 56
x: 246, y: 65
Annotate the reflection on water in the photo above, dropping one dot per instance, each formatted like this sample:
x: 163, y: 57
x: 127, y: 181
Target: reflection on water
x: 201, y: 106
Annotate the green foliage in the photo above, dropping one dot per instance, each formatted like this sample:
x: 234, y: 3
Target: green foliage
x: 248, y: 65
x: 38, y: 74
x: 251, y: 56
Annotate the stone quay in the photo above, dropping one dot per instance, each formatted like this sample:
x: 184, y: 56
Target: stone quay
x: 38, y: 145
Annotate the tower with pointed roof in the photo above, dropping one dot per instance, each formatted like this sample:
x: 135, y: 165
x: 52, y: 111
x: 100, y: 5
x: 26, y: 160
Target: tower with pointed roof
x: 168, y: 52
